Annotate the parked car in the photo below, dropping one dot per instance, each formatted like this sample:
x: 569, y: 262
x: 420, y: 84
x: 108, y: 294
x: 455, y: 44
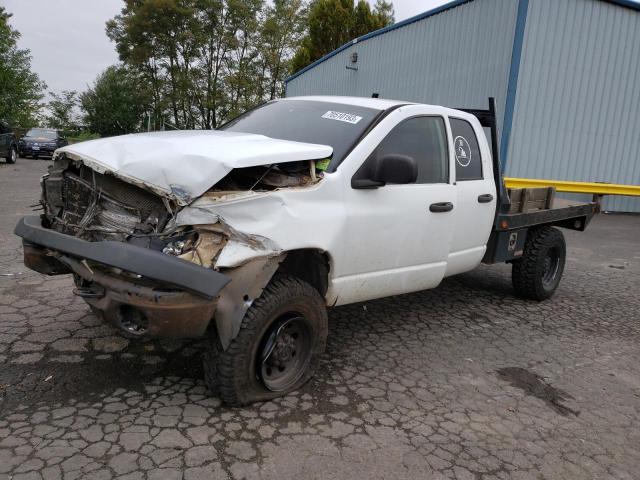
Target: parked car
x: 41, y: 142
x: 247, y: 234
x: 8, y: 144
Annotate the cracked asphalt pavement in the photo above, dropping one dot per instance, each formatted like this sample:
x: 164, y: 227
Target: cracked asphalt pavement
x: 464, y: 381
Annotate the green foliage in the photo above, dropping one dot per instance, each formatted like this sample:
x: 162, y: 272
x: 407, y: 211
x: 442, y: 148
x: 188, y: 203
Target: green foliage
x: 332, y: 23
x: 61, y: 109
x: 281, y: 33
x: 205, y: 61
x: 116, y: 104
x: 83, y: 137
x: 20, y: 89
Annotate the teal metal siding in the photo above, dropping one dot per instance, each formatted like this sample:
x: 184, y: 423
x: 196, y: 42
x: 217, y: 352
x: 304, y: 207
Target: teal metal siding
x: 570, y: 106
x: 457, y: 57
x: 577, y: 110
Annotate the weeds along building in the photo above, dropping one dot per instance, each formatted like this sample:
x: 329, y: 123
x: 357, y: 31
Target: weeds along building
x: 565, y: 74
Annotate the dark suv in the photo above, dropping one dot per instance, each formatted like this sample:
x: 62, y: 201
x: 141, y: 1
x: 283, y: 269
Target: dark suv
x: 41, y: 142
x: 8, y: 144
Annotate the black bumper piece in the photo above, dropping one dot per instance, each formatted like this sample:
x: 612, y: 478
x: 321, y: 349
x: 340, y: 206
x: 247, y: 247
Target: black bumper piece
x: 150, y: 264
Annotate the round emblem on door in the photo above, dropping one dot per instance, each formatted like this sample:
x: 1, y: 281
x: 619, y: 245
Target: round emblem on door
x: 463, y: 151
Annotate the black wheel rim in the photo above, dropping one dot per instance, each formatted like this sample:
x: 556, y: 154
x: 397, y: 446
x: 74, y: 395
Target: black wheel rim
x: 551, y: 267
x: 285, y: 352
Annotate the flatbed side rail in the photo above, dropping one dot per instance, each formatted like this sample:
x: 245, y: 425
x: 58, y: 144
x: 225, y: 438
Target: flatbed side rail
x: 595, y: 188
x: 574, y: 217
x: 507, y: 239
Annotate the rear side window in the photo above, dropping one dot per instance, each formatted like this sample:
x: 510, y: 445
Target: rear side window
x: 466, y: 150
x: 424, y: 139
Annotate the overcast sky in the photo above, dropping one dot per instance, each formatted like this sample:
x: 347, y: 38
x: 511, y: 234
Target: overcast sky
x: 68, y: 42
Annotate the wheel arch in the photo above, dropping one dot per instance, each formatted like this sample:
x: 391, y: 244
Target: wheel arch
x: 309, y: 265
x: 249, y: 280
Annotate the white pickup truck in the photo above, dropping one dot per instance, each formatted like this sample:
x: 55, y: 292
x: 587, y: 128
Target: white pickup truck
x: 247, y: 233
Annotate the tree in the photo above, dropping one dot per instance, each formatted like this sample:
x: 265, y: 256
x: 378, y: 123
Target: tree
x: 184, y: 49
x: 157, y: 37
x: 332, y: 23
x: 281, y: 33
x: 206, y: 61
x: 116, y: 104
x: 20, y: 89
x: 228, y: 81
x: 61, y: 109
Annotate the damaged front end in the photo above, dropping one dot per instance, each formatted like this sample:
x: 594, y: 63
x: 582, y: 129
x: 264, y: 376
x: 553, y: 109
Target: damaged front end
x: 135, y: 265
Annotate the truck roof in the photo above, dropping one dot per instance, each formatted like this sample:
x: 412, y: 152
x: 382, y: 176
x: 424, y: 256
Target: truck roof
x: 376, y: 103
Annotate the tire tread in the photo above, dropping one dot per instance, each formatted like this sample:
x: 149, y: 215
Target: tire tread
x: 524, y: 275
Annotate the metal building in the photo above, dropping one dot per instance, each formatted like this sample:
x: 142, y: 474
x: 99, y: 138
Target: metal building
x: 565, y: 74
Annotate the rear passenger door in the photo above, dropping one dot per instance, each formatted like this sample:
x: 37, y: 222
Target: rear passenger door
x: 476, y: 195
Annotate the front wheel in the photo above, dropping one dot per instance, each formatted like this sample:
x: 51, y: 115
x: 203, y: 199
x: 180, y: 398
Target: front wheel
x: 537, y: 274
x: 277, y: 349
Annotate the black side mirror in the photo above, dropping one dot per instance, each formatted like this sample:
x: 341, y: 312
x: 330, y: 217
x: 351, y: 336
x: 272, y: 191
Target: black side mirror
x: 392, y: 168
x: 395, y: 168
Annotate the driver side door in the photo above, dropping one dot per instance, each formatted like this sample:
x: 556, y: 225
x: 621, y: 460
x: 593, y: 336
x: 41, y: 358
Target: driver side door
x: 397, y: 236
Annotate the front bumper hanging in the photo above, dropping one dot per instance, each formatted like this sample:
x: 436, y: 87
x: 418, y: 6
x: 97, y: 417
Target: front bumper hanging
x: 135, y: 307
x: 149, y: 264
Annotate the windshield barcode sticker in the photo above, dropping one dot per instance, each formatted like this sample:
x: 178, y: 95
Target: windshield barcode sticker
x: 342, y: 117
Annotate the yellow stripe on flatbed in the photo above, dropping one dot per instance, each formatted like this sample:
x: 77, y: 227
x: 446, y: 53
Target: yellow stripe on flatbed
x: 575, y: 187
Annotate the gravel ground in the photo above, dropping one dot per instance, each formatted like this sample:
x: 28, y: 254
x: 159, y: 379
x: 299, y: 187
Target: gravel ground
x: 464, y: 381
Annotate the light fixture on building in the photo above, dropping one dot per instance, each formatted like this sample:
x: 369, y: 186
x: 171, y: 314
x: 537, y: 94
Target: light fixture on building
x: 354, y: 60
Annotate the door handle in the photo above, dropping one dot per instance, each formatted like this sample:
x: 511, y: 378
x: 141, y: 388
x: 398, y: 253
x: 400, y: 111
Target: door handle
x: 441, y: 207
x: 486, y: 198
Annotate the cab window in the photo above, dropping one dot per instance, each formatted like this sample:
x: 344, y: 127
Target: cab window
x: 425, y: 140
x: 466, y: 151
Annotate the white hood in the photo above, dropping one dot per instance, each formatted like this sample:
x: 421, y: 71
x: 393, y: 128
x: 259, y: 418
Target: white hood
x: 182, y: 165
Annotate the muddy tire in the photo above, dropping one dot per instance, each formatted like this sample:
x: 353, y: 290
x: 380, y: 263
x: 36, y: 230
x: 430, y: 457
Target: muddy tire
x: 13, y: 155
x: 281, y: 339
x: 537, y: 274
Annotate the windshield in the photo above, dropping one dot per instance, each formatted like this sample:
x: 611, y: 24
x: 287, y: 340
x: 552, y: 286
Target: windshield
x: 335, y: 124
x: 42, y: 133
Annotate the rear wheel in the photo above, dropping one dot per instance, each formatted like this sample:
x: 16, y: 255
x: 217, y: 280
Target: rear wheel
x: 13, y: 155
x: 277, y: 349
x: 537, y: 274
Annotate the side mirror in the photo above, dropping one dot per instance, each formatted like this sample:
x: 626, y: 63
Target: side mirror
x: 392, y: 168
x: 400, y: 169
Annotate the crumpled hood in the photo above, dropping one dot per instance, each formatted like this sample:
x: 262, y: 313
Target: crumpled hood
x: 182, y: 165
